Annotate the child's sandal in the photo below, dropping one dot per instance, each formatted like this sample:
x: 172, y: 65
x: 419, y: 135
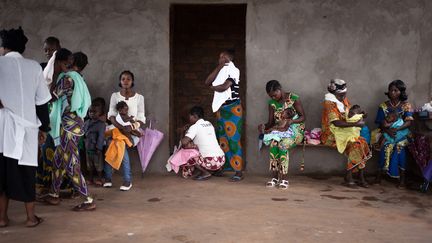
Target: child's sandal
x: 272, y: 183
x: 284, y: 185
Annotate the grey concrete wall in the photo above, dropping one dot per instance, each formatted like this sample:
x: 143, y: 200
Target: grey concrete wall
x: 303, y: 44
x: 306, y: 43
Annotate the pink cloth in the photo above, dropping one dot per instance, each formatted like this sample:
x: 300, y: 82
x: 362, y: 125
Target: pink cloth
x: 313, y: 136
x: 181, y: 157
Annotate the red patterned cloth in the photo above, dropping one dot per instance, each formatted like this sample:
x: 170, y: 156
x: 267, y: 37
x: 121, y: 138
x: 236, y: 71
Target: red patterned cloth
x: 209, y: 163
x: 420, y: 150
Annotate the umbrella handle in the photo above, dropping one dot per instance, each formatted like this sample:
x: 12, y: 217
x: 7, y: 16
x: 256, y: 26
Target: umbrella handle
x: 151, y: 121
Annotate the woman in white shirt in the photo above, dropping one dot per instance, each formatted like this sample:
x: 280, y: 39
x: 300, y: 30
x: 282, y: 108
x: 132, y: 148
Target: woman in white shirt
x: 135, y: 103
x: 201, y: 134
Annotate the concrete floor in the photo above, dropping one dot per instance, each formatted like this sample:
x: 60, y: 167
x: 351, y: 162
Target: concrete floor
x: 167, y: 208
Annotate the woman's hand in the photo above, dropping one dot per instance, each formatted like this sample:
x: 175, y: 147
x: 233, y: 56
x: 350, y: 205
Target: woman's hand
x: 360, y: 123
x: 42, y: 136
x: 261, y: 128
x: 289, y: 122
x: 186, y: 127
x: 391, y: 132
x: 126, y: 129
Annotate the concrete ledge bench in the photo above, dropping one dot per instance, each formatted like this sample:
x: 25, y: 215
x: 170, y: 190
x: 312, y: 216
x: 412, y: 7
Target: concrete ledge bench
x: 318, y: 159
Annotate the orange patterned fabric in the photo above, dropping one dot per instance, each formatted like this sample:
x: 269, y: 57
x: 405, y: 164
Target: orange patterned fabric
x: 330, y: 113
x: 357, y: 152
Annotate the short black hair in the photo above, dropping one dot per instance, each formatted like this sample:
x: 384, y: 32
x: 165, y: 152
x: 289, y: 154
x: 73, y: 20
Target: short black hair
x: 273, y: 85
x: 120, y: 105
x: 130, y: 74
x: 63, y: 54
x: 99, y: 102
x: 197, y: 111
x: 13, y: 39
x: 97, y: 107
x: 400, y: 85
x: 355, y: 107
x: 52, y: 41
x: 80, y: 60
x: 231, y: 53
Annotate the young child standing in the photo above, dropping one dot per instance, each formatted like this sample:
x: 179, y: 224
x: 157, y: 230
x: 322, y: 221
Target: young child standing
x: 94, y: 130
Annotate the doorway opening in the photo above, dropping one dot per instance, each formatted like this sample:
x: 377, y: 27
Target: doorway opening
x: 198, y: 34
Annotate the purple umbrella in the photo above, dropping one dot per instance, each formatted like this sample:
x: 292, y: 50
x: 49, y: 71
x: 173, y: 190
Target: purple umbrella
x: 148, y: 144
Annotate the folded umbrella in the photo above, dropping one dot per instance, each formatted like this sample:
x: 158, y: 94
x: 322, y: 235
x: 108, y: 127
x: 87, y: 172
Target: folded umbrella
x: 148, y: 144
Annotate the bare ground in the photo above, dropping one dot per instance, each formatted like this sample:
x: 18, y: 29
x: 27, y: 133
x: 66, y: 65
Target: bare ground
x: 167, y: 208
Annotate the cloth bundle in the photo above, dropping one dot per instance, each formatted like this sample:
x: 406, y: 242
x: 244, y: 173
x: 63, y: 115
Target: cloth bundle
x: 313, y: 136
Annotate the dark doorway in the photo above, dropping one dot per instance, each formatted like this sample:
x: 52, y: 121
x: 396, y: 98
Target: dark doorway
x: 198, y: 34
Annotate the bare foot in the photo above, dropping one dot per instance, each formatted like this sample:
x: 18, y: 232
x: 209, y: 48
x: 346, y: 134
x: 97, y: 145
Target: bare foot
x: 4, y: 223
x: 31, y: 223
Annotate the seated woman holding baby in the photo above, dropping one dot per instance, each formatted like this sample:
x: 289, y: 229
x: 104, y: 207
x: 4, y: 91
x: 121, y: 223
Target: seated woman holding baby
x: 394, y: 117
x: 283, y: 130
x: 341, y: 125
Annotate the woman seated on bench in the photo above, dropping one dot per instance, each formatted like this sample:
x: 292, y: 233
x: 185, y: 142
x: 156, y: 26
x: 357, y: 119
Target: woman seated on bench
x: 335, y: 106
x: 285, y: 129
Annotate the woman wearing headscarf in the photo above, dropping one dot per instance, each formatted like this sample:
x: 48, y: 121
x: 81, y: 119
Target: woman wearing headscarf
x: 71, y: 100
x: 335, y: 107
x: 23, y: 121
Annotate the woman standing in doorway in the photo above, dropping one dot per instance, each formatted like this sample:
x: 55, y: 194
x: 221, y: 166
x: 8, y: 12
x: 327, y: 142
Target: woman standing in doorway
x: 225, y: 81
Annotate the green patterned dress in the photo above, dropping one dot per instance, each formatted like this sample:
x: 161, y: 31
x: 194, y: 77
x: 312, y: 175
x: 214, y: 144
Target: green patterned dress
x: 279, y: 151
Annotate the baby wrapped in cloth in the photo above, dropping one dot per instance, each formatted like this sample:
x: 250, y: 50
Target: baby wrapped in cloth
x: 344, y: 135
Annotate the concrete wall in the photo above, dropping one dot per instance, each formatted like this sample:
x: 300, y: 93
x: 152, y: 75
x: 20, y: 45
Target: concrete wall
x: 301, y: 43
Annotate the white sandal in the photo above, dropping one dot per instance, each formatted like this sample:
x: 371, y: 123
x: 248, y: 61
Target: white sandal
x: 272, y: 183
x: 284, y: 184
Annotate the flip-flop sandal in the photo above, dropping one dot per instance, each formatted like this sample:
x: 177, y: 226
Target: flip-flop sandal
x: 99, y: 183
x: 38, y: 222
x: 284, y: 184
x: 202, y: 178
x: 272, y: 183
x: 236, y: 178
x: 402, y: 187
x: 219, y: 173
x: 5, y: 225
x: 51, y: 200
x: 363, y: 184
x: 84, y: 207
x: 352, y: 185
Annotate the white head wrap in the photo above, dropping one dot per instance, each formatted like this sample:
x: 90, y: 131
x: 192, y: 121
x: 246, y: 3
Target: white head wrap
x: 337, y: 86
x: 48, y: 72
